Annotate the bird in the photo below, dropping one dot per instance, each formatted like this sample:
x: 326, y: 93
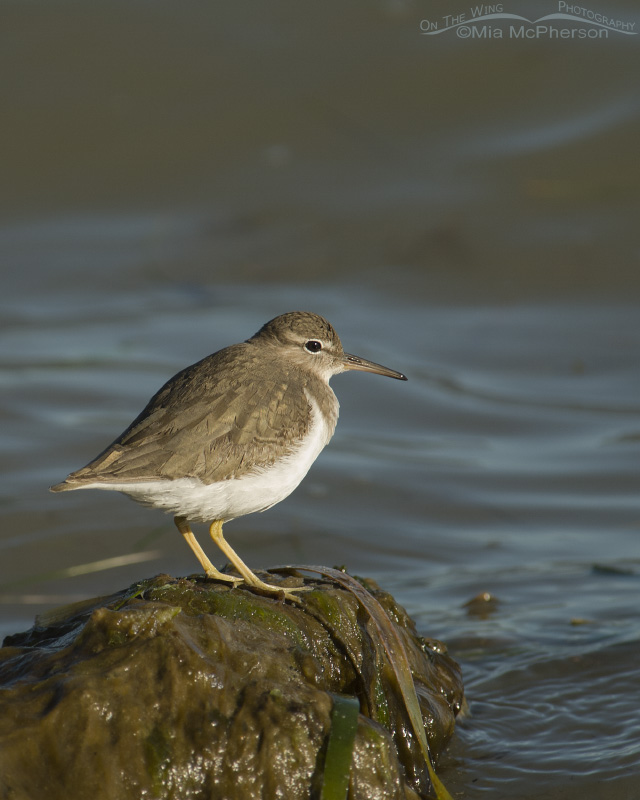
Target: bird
x: 232, y: 434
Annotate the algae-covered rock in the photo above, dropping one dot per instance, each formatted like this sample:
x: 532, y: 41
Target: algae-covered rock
x: 184, y: 688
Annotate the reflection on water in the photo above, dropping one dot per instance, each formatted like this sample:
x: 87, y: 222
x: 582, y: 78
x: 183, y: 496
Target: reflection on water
x: 462, y: 225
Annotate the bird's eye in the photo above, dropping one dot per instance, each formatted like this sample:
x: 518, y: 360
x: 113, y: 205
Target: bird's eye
x: 313, y: 346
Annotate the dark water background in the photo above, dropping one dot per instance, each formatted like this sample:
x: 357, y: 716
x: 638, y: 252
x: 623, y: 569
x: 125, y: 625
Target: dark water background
x: 466, y: 211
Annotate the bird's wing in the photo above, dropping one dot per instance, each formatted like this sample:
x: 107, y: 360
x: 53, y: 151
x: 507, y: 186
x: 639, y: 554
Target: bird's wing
x: 207, y: 422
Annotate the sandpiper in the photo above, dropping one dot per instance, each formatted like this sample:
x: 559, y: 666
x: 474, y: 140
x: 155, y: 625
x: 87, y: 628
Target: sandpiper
x: 232, y: 434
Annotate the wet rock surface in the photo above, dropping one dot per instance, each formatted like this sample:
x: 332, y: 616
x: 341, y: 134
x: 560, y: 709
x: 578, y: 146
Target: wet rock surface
x: 182, y: 688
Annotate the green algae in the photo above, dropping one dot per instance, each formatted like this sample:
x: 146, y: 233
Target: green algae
x: 190, y: 689
x: 339, y: 756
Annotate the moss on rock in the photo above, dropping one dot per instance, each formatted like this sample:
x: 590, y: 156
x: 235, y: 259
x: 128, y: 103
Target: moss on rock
x: 187, y: 689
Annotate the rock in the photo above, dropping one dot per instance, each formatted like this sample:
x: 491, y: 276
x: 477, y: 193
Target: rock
x: 188, y: 689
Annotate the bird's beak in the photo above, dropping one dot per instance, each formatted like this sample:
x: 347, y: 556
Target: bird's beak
x: 355, y: 362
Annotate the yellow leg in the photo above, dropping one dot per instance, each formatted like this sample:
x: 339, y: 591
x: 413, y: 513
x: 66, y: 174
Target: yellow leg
x: 215, y: 531
x: 210, y: 571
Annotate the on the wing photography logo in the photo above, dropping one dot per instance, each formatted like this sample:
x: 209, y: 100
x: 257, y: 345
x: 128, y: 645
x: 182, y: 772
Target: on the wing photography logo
x: 569, y: 21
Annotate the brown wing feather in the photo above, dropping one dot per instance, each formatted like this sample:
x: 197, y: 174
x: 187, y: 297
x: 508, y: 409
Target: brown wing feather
x: 207, y: 422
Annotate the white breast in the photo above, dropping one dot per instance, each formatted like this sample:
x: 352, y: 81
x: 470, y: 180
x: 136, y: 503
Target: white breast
x: 225, y: 500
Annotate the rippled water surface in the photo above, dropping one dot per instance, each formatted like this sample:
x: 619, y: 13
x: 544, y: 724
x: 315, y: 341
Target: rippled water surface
x: 463, y: 211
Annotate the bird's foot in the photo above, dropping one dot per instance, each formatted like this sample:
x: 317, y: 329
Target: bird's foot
x: 276, y: 590
x: 215, y: 575
x: 271, y: 589
x: 250, y: 578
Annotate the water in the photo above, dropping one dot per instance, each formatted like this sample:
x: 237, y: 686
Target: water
x: 178, y: 179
